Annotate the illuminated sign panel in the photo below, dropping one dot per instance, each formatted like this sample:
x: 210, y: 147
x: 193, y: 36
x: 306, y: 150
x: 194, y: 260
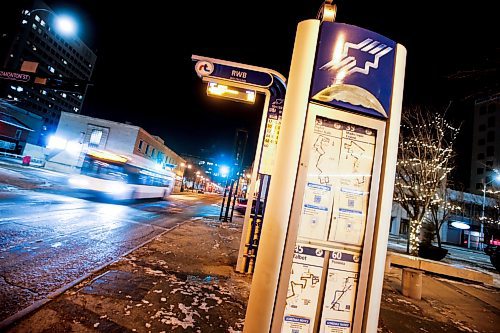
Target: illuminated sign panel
x: 354, y: 69
x: 234, y: 93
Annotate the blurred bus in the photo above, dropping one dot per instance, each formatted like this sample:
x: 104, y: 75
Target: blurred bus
x: 119, y: 177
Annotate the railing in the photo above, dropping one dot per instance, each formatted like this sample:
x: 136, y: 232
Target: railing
x: 19, y: 159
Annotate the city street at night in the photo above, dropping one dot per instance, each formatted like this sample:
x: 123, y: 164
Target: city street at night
x: 49, y: 240
x: 308, y: 167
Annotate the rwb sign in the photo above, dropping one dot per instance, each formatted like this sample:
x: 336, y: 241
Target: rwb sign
x: 354, y: 69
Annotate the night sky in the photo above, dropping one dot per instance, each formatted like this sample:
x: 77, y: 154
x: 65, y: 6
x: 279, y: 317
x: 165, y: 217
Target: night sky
x: 144, y: 73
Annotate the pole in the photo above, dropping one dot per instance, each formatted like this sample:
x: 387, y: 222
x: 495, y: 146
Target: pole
x: 481, y: 235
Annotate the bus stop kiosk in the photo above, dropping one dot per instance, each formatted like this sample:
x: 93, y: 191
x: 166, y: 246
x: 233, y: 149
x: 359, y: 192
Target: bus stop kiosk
x: 324, y: 242
x: 241, y: 82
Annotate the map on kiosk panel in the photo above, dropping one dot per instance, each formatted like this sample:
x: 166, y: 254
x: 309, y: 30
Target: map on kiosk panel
x: 340, y: 292
x: 303, y: 289
x: 336, y: 193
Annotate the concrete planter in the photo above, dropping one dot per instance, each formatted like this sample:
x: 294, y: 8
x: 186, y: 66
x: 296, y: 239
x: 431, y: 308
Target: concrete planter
x: 431, y: 252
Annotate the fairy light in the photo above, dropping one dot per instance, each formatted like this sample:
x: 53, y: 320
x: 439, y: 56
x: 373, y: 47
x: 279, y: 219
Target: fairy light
x: 424, y: 162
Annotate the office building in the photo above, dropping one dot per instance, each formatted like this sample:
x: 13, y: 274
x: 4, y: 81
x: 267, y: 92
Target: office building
x: 485, y: 159
x: 34, y: 37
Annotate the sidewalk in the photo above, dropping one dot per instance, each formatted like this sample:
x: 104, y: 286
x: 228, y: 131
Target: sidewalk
x: 184, y: 281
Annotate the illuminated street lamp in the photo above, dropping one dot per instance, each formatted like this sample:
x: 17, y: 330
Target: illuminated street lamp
x: 63, y: 24
x: 496, y: 178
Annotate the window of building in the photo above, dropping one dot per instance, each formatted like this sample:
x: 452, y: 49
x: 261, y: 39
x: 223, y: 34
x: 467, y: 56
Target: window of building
x: 491, y: 121
x: 480, y: 171
x: 492, y: 108
x: 480, y: 156
x: 18, y: 134
x: 489, y: 163
x: 52, y: 69
x: 34, y: 26
x: 95, y: 138
x: 141, y: 145
x: 482, y: 127
x: 481, y: 142
x: 482, y: 110
x: 153, y: 152
x: 490, y: 151
x: 490, y: 136
x: 147, y: 149
x: 37, y: 18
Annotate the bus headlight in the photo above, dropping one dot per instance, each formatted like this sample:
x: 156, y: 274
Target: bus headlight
x: 117, y: 188
x: 79, y: 182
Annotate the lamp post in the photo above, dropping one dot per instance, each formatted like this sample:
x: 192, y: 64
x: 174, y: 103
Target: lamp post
x: 481, y: 235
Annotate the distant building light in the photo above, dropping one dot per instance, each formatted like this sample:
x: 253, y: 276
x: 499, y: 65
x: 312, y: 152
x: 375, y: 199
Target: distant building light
x: 26, y: 12
x: 42, y: 23
x: 460, y: 225
x: 24, y: 22
x: 76, y: 109
x: 37, y: 18
x: 34, y: 26
x: 52, y: 69
x: 34, y: 48
x: 44, y: 92
x: 16, y: 99
x: 64, y: 61
x: 56, y: 142
x: 19, y: 89
x: 13, y: 88
x: 63, y: 95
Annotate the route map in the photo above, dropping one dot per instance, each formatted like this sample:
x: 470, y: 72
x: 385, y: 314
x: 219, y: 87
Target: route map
x: 303, y: 289
x: 338, y: 180
x: 340, y: 292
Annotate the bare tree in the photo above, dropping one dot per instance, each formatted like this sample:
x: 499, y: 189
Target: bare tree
x: 445, y: 204
x: 424, y: 161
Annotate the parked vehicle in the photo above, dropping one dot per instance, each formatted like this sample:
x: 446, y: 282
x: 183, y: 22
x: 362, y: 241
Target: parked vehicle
x: 494, y: 252
x: 241, y: 205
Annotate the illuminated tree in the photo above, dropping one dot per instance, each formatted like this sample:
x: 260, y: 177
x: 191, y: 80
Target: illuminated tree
x: 424, y: 162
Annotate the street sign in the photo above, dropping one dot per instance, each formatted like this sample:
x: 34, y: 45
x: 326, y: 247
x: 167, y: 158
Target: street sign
x: 326, y: 226
x: 241, y: 82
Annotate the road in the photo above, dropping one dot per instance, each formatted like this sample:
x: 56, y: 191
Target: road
x: 51, y: 237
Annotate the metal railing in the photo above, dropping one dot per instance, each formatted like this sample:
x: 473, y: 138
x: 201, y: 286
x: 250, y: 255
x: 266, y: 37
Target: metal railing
x: 19, y: 159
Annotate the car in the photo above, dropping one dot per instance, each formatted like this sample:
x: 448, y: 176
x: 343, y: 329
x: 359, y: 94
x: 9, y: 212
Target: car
x: 494, y: 252
x: 241, y: 205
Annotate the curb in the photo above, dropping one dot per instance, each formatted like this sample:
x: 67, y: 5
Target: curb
x: 38, y: 304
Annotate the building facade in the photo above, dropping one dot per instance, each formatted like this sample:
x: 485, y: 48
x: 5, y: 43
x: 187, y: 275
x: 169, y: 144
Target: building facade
x: 76, y: 134
x: 13, y: 133
x: 462, y: 223
x: 485, y: 157
x: 34, y: 38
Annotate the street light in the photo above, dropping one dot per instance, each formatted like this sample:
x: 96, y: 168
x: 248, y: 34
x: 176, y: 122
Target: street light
x: 64, y: 24
x: 496, y: 178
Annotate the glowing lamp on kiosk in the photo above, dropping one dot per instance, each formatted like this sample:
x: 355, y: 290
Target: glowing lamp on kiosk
x: 233, y: 93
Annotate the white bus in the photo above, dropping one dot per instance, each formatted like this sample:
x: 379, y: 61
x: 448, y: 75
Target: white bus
x: 120, y: 177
